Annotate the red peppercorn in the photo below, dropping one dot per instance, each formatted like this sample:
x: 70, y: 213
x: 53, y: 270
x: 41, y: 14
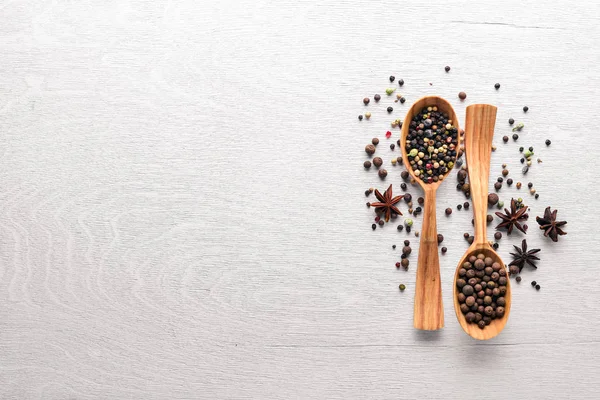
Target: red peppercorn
x: 388, y: 134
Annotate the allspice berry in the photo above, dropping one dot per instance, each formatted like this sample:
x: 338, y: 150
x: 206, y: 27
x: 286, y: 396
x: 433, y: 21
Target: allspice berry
x: 404, y: 263
x: 377, y: 162
x: 492, y: 199
x: 498, y: 235
x: 366, y: 100
x: 370, y: 149
x: 448, y: 211
x: 440, y: 238
x: 498, y: 185
x: 375, y: 141
x: 367, y: 164
x: 382, y: 173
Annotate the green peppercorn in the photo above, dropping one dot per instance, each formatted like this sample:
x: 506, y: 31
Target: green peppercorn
x: 402, y: 287
x: 389, y: 91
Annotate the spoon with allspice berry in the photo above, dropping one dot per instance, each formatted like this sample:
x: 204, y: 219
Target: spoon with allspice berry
x: 481, y: 283
x: 430, y: 143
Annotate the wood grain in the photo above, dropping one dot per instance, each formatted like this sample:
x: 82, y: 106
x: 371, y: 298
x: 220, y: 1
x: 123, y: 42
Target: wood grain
x: 182, y: 209
x: 429, y: 309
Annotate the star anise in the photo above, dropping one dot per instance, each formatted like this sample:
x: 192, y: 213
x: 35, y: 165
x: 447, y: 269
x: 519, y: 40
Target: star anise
x: 522, y: 256
x: 550, y: 225
x: 513, y: 218
x: 386, y: 203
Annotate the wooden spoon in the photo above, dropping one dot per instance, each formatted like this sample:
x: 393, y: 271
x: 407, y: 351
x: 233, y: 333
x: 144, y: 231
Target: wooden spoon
x: 429, y: 311
x: 479, y: 131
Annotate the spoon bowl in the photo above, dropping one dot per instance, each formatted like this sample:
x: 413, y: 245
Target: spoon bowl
x: 429, y: 311
x: 479, y: 131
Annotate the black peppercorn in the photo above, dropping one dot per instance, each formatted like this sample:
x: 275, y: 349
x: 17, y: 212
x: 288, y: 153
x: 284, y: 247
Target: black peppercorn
x: 548, y: 142
x: 505, y: 139
x: 407, y: 197
x: 537, y: 287
x: 466, y: 235
x: 403, y: 186
x: 462, y: 95
x: 522, y: 160
x: 400, y: 227
x: 447, y: 68
x: 401, y: 82
x: 390, y: 109
x: 498, y: 185
x: 421, y: 200
x: 408, y: 229
x: 392, y: 78
x: 497, y: 86
x: 404, y: 175
x: 509, y: 181
x: 531, y: 148
x: 407, y: 242
x: 402, y: 100
x: 374, y: 226
x: 515, y: 136
x: 533, y: 283
x: 525, y: 109
x: 521, y: 149
x: 377, y: 97
x: 511, y: 121
x: 459, y: 207
x: 381, y: 222
x: 440, y: 238
x: 360, y: 117
x: 466, y: 205
x: 498, y: 235
x: 537, y: 196
x: 500, y: 179
x: 444, y: 250
x: 394, y: 246
x: 495, y: 246
x: 448, y: 211
x: 530, y: 185
x: 392, y: 146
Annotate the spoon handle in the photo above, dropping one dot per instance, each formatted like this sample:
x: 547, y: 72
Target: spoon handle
x: 429, y: 312
x: 479, y: 131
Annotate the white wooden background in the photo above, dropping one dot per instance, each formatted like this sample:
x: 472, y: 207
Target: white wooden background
x: 182, y: 211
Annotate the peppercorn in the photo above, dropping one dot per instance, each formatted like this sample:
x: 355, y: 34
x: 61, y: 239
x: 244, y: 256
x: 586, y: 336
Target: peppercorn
x: 408, y: 222
x: 515, y: 136
x: 466, y: 235
x: 360, y: 117
x: 381, y: 222
x: 377, y: 97
x: 548, y: 142
x: 367, y: 164
x: 537, y: 196
x: 525, y: 170
x: 440, y: 238
x: 498, y: 235
x: 504, y: 172
x: 497, y: 185
x: 462, y: 95
x: 525, y: 109
x: 366, y: 100
x: 392, y: 78
x: 466, y: 205
x: 390, y: 109
x: 518, y: 185
x: 377, y: 162
x: 533, y: 283
x: 509, y: 181
x: 505, y: 139
x: 448, y: 211
x: 521, y: 149
x: 389, y: 91
x: 406, y: 250
x: 375, y: 141
x: 408, y: 229
x: 513, y: 270
x: 401, y: 82
x: 370, y: 149
x: 518, y: 279
x: 522, y: 160
x: 511, y: 121
x: 493, y: 198
x: 400, y: 227
x: 497, y: 86
x: 402, y: 287
x: 404, y: 175
x: 405, y: 263
x: 374, y: 226
x: 495, y: 246
x: 407, y: 197
x: 444, y: 250
x: 392, y: 147
x: 470, y: 239
x: 447, y: 68
x: 537, y: 287
x: 402, y: 100
x: 489, y: 218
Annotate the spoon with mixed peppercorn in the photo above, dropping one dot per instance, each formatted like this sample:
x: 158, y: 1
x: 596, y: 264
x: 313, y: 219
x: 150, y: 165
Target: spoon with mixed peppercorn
x: 481, y: 285
x: 430, y: 143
